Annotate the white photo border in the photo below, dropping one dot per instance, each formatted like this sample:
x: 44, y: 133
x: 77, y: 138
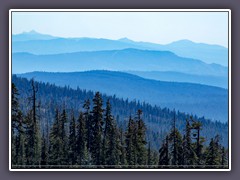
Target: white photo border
x: 123, y: 10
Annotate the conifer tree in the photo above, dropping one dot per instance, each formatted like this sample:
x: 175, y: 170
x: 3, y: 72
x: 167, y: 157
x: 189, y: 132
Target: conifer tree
x: 199, y: 141
x: 164, y: 153
x: 174, y: 141
x: 123, y: 160
x: 17, y: 129
x: 149, y: 156
x: 176, y: 145
x: 72, y: 141
x: 141, y: 140
x: 213, y: 158
x: 190, y: 157
x: 89, y: 128
x: 32, y: 130
x: 14, y: 108
x: 155, y: 158
x: 37, y: 145
x: 113, y: 151
x: 29, y: 132
x: 55, y: 151
x: 108, y: 120
x: 223, y: 158
x: 81, y: 142
x: 13, y: 148
x: 177, y: 148
x: 20, y: 141
x: 97, y: 122
x: 36, y: 128
x: 63, y: 149
x: 130, y: 148
x: 44, y: 153
x: 35, y: 125
x: 111, y: 141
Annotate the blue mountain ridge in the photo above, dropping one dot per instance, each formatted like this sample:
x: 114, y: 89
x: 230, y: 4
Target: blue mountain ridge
x: 202, y: 100
x: 32, y: 35
x: 37, y: 43
x: 118, y: 60
x: 171, y: 76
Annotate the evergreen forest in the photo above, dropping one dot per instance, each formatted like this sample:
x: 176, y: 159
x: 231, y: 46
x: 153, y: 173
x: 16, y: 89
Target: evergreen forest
x: 59, y: 127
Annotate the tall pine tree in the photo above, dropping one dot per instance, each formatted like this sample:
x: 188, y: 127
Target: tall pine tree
x: 97, y: 123
x: 72, y: 141
x: 130, y: 148
x: 81, y: 142
x: 141, y: 140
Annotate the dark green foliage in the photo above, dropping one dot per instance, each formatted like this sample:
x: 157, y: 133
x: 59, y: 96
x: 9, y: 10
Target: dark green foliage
x: 150, y: 157
x: 108, y: 120
x: 188, y: 151
x: 110, y: 148
x: 130, y: 148
x: 63, y: 137
x: 17, y: 130
x: 72, y: 141
x: 158, y: 120
x: 15, y: 107
x: 136, y: 151
x: 83, y: 157
x: 29, y: 139
x: 141, y: 140
x: 98, y: 140
x: 122, y: 156
x: 55, y: 150
x: 44, y: 153
x: 97, y: 123
x: 197, y: 127
x: 89, y: 126
x: 20, y: 141
x: 113, y: 151
x: 213, y: 153
x: 176, y: 148
x: 164, y: 154
x: 224, y: 159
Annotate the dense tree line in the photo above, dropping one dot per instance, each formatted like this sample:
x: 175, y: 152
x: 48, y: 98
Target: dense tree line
x: 92, y: 137
x: 157, y: 119
x: 92, y: 140
x: 187, y: 150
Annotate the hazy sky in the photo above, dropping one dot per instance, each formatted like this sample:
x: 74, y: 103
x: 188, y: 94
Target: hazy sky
x: 158, y: 27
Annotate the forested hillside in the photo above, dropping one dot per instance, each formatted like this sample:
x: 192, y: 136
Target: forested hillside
x: 58, y: 127
x: 170, y: 76
x: 202, y: 100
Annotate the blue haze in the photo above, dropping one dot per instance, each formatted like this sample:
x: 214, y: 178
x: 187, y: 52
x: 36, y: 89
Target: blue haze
x: 202, y: 100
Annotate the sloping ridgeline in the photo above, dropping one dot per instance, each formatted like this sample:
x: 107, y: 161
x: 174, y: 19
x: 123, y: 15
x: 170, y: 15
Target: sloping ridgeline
x: 36, y: 43
x: 158, y: 120
x: 117, y: 60
x: 208, y: 101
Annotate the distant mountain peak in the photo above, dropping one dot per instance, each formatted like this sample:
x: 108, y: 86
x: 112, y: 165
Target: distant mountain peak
x: 185, y: 41
x: 192, y: 43
x: 31, y: 32
x: 125, y: 39
x: 31, y: 35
